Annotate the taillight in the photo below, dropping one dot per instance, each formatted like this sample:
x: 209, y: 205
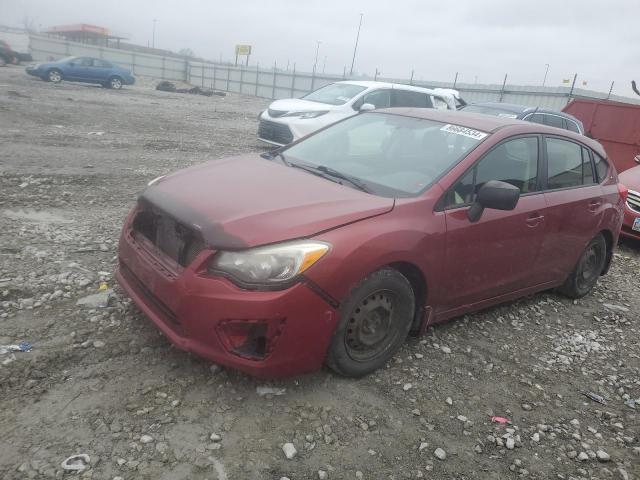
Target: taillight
x: 623, y: 191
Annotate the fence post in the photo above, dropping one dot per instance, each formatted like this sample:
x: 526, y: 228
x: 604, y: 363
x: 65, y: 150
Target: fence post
x: 411, y: 79
x: 610, y: 90
x: 275, y: 73
x: 313, y: 79
x: 293, y: 81
x: 503, y: 84
x: 455, y: 80
x: 344, y: 72
x: 257, y: 76
x: 228, y: 74
x: 163, y: 59
x: 573, y: 84
x: 214, y: 77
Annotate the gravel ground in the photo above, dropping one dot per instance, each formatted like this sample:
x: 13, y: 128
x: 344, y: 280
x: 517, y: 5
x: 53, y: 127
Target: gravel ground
x: 103, y: 382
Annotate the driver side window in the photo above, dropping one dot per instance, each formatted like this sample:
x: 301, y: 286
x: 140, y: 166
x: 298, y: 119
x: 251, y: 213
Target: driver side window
x: 514, y: 162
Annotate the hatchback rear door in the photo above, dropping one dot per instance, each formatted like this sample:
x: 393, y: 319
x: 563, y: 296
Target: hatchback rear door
x: 575, y: 205
x: 498, y: 253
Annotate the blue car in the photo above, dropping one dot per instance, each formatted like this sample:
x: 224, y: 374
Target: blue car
x: 83, y: 69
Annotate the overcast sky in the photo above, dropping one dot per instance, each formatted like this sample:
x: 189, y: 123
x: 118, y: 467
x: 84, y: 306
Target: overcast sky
x: 599, y: 40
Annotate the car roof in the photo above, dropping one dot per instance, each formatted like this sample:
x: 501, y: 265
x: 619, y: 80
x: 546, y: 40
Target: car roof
x: 404, y: 86
x: 490, y: 123
x: 516, y: 108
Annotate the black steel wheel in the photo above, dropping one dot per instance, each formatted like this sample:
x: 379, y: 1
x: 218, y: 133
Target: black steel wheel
x: 588, y: 269
x: 374, y: 322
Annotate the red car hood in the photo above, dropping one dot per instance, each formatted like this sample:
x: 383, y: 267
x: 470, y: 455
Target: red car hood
x: 631, y: 178
x: 246, y: 201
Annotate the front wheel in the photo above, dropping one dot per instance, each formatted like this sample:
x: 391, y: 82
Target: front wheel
x: 115, y: 83
x: 54, y: 76
x: 374, y: 322
x: 588, y: 269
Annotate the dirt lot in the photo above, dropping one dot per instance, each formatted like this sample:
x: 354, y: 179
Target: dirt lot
x: 102, y: 381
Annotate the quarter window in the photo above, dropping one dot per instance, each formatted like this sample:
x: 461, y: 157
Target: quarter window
x: 536, y: 118
x: 514, y: 162
x: 602, y: 167
x: 566, y: 165
x: 573, y: 126
x: 587, y: 167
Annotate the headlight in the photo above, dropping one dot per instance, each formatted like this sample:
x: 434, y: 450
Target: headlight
x: 306, y: 114
x: 270, y: 265
x: 155, y: 180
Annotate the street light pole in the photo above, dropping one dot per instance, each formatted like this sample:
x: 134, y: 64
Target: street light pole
x: 153, y: 38
x: 315, y: 62
x: 355, y: 48
x: 545, y: 75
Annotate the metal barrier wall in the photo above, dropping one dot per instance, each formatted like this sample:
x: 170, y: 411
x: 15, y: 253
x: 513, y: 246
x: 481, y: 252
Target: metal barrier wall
x: 277, y: 83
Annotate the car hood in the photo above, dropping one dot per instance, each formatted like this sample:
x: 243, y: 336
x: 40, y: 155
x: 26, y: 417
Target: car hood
x: 631, y: 178
x: 299, y: 105
x: 247, y: 201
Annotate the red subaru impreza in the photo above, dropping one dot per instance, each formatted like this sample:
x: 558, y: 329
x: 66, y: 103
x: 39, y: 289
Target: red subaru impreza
x: 332, y: 249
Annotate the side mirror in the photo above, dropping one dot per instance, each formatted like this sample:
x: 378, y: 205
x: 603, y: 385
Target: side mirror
x: 366, y: 107
x: 496, y: 195
x: 637, y: 158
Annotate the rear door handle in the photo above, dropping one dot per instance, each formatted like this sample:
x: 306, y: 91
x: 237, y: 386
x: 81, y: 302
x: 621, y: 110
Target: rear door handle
x: 534, y: 220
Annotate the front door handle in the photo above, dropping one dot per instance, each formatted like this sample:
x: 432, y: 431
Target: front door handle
x: 534, y: 220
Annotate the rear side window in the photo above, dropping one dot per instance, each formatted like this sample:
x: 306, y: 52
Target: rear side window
x: 514, y: 161
x: 568, y: 166
x: 407, y: 98
x: 602, y: 167
x: 554, y: 121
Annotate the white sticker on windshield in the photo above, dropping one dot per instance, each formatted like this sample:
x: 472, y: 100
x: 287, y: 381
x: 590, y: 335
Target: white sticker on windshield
x: 464, y: 131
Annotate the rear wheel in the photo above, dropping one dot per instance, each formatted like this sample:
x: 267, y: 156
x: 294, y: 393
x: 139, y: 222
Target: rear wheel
x: 588, y: 269
x: 374, y: 322
x: 115, y: 83
x: 54, y: 75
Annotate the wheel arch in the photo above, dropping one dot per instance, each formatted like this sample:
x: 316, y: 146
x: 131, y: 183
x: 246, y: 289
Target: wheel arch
x: 608, y: 238
x: 418, y: 282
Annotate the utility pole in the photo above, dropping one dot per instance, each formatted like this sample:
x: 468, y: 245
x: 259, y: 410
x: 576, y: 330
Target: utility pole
x: 355, y: 48
x: 544, y: 80
x: 315, y: 62
x: 153, y: 38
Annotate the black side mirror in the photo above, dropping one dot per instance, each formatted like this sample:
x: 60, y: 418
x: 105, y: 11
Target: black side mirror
x: 494, y: 194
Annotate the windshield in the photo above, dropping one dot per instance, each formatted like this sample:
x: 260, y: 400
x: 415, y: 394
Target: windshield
x: 497, y: 112
x: 392, y: 155
x: 335, y: 94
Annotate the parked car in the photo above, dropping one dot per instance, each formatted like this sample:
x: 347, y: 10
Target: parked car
x: 334, y: 248
x: 631, y: 179
x: 83, y: 69
x: 290, y: 119
x: 9, y: 55
x: 540, y: 115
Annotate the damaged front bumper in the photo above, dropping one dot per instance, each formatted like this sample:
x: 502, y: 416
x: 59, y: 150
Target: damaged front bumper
x: 267, y: 334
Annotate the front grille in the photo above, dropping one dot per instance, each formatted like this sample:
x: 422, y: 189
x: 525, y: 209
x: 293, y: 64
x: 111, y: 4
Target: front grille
x: 276, y: 113
x: 633, y: 200
x: 172, y: 238
x: 275, y: 132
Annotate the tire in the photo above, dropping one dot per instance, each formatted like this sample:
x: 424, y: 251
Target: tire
x: 54, y: 75
x: 115, y: 83
x: 588, y: 269
x: 374, y: 322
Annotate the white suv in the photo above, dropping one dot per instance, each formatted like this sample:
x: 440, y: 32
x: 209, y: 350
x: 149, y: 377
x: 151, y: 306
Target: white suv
x: 290, y: 119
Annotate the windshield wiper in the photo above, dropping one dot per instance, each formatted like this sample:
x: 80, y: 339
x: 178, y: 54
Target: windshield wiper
x: 323, y: 171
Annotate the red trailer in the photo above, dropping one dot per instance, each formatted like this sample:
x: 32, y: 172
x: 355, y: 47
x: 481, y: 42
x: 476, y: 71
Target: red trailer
x: 615, y: 125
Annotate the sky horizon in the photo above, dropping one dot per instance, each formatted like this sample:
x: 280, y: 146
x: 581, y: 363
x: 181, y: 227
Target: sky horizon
x: 480, y: 40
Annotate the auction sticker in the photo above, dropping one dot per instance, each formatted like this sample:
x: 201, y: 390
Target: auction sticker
x: 464, y: 131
